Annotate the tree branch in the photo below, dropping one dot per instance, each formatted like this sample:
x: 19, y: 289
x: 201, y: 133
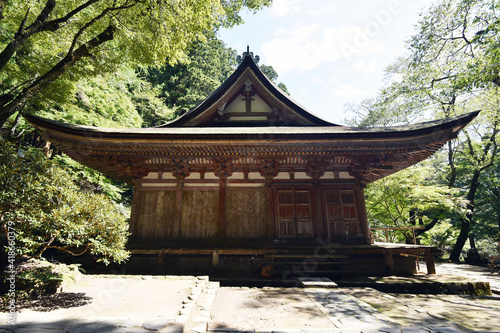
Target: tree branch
x: 23, y: 34
x: 61, y: 67
x: 53, y: 25
x: 65, y: 249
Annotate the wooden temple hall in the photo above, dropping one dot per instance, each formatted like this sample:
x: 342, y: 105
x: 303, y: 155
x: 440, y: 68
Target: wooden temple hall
x: 250, y: 179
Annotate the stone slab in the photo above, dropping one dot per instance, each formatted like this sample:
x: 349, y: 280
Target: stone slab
x: 317, y: 282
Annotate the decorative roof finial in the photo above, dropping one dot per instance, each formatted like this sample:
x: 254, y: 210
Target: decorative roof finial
x: 240, y: 58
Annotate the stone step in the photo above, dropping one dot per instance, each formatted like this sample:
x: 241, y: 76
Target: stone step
x: 189, y: 304
x: 315, y: 272
x: 200, y: 314
x: 308, y: 255
x: 322, y: 263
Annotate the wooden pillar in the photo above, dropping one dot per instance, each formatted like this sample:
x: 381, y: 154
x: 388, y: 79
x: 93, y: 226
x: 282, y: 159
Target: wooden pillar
x: 320, y: 223
x: 178, y: 210
x: 429, y: 261
x: 215, y: 260
x: 389, y: 262
x: 222, y: 208
x: 362, y: 218
x: 272, y: 229
x: 159, y: 260
x: 135, y: 210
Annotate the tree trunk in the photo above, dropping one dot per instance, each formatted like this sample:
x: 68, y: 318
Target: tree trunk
x: 451, y: 163
x: 427, y: 227
x: 465, y: 222
x: 461, y: 239
x: 472, y: 241
x: 16, y: 122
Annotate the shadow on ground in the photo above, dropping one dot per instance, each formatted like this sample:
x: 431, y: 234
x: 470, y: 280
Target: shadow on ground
x: 46, y: 303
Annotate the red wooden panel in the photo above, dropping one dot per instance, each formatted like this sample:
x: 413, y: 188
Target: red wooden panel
x: 334, y: 211
x: 347, y: 197
x: 349, y: 212
x: 332, y: 197
x: 302, y: 197
x: 303, y: 211
x: 285, y: 197
x: 292, y: 206
x: 286, y: 212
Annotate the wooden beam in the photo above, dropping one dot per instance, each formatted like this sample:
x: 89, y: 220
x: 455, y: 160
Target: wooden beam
x: 135, y: 210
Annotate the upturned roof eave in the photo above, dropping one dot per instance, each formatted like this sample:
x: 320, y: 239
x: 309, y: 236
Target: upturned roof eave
x: 253, y: 133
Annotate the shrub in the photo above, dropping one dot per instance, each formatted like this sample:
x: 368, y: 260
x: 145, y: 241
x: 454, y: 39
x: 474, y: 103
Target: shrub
x: 48, y: 211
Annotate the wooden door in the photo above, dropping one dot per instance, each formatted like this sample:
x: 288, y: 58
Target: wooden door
x: 341, y: 213
x: 294, y: 214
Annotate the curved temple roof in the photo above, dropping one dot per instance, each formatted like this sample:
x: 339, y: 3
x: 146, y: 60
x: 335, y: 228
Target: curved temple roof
x: 370, y: 153
x: 247, y: 120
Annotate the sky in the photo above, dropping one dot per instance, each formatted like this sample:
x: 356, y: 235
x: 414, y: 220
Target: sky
x: 329, y: 53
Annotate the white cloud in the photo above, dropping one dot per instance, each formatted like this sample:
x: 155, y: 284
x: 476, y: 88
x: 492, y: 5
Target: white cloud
x: 322, y: 11
x: 282, y: 8
x: 367, y: 68
x: 308, y: 46
x: 351, y: 93
x: 322, y: 81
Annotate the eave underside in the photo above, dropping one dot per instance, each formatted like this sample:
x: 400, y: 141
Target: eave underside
x: 366, y: 155
x: 365, y: 161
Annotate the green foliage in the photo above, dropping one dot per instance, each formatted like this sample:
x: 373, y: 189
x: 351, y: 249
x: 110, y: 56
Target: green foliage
x: 184, y: 85
x: 49, y: 211
x: 37, y: 280
x: 103, y: 100
x: 443, y: 235
x: 410, y: 197
x: 87, y: 38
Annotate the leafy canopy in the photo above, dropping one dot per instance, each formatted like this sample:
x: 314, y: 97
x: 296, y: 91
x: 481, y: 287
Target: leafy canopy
x: 39, y: 199
x: 86, y: 37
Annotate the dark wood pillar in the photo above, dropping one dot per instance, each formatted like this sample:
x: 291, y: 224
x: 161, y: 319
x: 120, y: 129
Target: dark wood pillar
x: 389, y: 262
x: 135, y: 210
x: 178, y: 210
x: 364, y: 224
x: 222, y: 209
x: 319, y: 217
x: 429, y: 262
x: 271, y: 231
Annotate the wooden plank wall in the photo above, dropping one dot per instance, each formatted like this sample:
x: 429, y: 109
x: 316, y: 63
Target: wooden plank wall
x: 199, y: 214
x: 154, y: 218
x: 246, y: 213
x: 156, y: 214
x: 196, y: 213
